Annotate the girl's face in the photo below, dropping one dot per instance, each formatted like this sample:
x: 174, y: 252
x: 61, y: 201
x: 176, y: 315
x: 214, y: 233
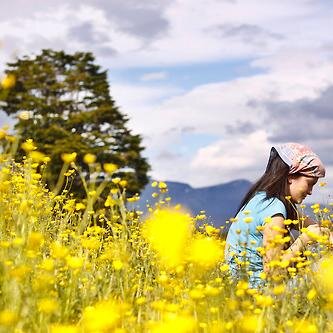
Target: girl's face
x: 300, y: 186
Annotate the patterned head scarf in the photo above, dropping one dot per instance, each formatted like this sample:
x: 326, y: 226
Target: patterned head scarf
x: 301, y: 159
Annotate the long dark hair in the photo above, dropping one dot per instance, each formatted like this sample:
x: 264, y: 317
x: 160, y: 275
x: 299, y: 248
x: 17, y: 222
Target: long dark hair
x: 275, y: 183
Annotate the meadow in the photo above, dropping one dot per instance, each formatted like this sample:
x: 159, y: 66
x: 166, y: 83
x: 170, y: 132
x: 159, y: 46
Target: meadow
x: 69, y: 267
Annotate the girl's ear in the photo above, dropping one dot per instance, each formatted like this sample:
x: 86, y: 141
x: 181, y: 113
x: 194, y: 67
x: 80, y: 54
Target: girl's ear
x: 290, y: 179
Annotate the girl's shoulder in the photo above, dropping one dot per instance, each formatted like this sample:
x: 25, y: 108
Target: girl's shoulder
x: 269, y: 206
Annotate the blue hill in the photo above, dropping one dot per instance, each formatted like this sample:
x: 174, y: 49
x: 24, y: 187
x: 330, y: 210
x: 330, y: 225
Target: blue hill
x: 220, y: 202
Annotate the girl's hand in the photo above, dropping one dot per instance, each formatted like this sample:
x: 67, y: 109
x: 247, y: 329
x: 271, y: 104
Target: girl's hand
x: 313, y: 232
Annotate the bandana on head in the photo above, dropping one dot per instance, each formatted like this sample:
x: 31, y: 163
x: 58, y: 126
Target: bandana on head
x: 301, y: 159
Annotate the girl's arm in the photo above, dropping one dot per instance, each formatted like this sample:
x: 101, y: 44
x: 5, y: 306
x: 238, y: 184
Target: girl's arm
x: 275, y: 230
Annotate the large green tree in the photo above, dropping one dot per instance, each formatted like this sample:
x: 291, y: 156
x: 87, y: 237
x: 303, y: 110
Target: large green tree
x: 71, y: 110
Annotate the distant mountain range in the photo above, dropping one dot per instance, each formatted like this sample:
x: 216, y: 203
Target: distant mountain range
x: 219, y: 202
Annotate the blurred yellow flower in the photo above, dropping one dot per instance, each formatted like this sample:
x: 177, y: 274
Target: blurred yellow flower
x: 35, y: 240
x: 80, y: 206
x: 123, y: 183
x: 103, y: 317
x: 205, y: 252
x: 248, y: 219
x: 250, y: 324
x: 47, y: 264
x: 117, y: 265
x: 89, y: 158
x: 312, y: 293
x: 8, y: 81
x: 279, y: 289
x: 110, y: 167
x: 324, y: 275
x: 7, y: 317
x: 47, y: 305
x: 91, y: 243
x: 37, y: 156
x: 28, y: 145
x: 68, y: 157
x: 58, y: 251
x: 74, y: 262
x: 162, y: 185
x: 168, y: 233
x: 3, y: 133
x: 174, y: 323
x: 20, y: 271
x: 64, y: 329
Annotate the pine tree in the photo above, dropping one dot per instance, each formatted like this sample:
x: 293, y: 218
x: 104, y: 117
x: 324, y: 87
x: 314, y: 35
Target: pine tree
x: 70, y: 110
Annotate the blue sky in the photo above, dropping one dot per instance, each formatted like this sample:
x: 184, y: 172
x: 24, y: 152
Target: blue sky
x: 186, y: 76
x: 210, y: 85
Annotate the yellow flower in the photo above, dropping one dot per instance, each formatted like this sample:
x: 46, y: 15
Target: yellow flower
x: 28, y: 145
x: 91, y: 243
x: 110, y: 167
x: 162, y: 185
x: 8, y: 81
x: 64, y: 329
x: 224, y: 268
x: 250, y: 324
x: 58, y: 251
x: 123, y: 183
x: 174, y: 323
x: 311, y: 294
x: 210, y: 230
x: 74, y: 262
x: 117, y: 265
x: 279, y: 289
x: 263, y: 300
x: 7, y: 317
x: 324, y: 275
x: 3, y: 133
x: 37, y: 156
x: 168, y: 233
x: 47, y: 305
x: 89, y: 158
x: 103, y: 317
x: 80, y: 206
x: 304, y: 326
x: 109, y: 202
x: 140, y: 300
x: 248, y: 219
x: 116, y: 180
x: 47, y: 264
x: 35, y: 240
x: 205, y: 252
x: 68, y: 158
x: 20, y: 272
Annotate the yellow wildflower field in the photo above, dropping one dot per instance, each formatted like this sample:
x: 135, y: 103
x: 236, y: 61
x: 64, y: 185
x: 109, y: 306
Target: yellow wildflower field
x: 68, y: 267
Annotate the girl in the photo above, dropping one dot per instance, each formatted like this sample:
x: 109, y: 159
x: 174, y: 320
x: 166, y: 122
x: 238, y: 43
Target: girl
x: 290, y: 175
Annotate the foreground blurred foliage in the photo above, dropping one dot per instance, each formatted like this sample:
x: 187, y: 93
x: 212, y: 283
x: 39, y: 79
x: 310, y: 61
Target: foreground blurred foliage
x: 63, y: 102
x: 67, y: 267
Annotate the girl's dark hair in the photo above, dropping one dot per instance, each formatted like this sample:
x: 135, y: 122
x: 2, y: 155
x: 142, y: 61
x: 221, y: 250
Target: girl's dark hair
x: 274, y: 183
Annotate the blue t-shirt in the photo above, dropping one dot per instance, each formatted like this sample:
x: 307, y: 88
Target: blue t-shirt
x: 244, y: 236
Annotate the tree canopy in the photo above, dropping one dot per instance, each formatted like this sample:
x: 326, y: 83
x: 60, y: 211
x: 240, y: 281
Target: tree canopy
x: 67, y: 98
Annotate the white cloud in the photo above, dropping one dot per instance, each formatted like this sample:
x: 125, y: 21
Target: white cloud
x: 288, y: 40
x: 154, y: 76
x: 188, y: 35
